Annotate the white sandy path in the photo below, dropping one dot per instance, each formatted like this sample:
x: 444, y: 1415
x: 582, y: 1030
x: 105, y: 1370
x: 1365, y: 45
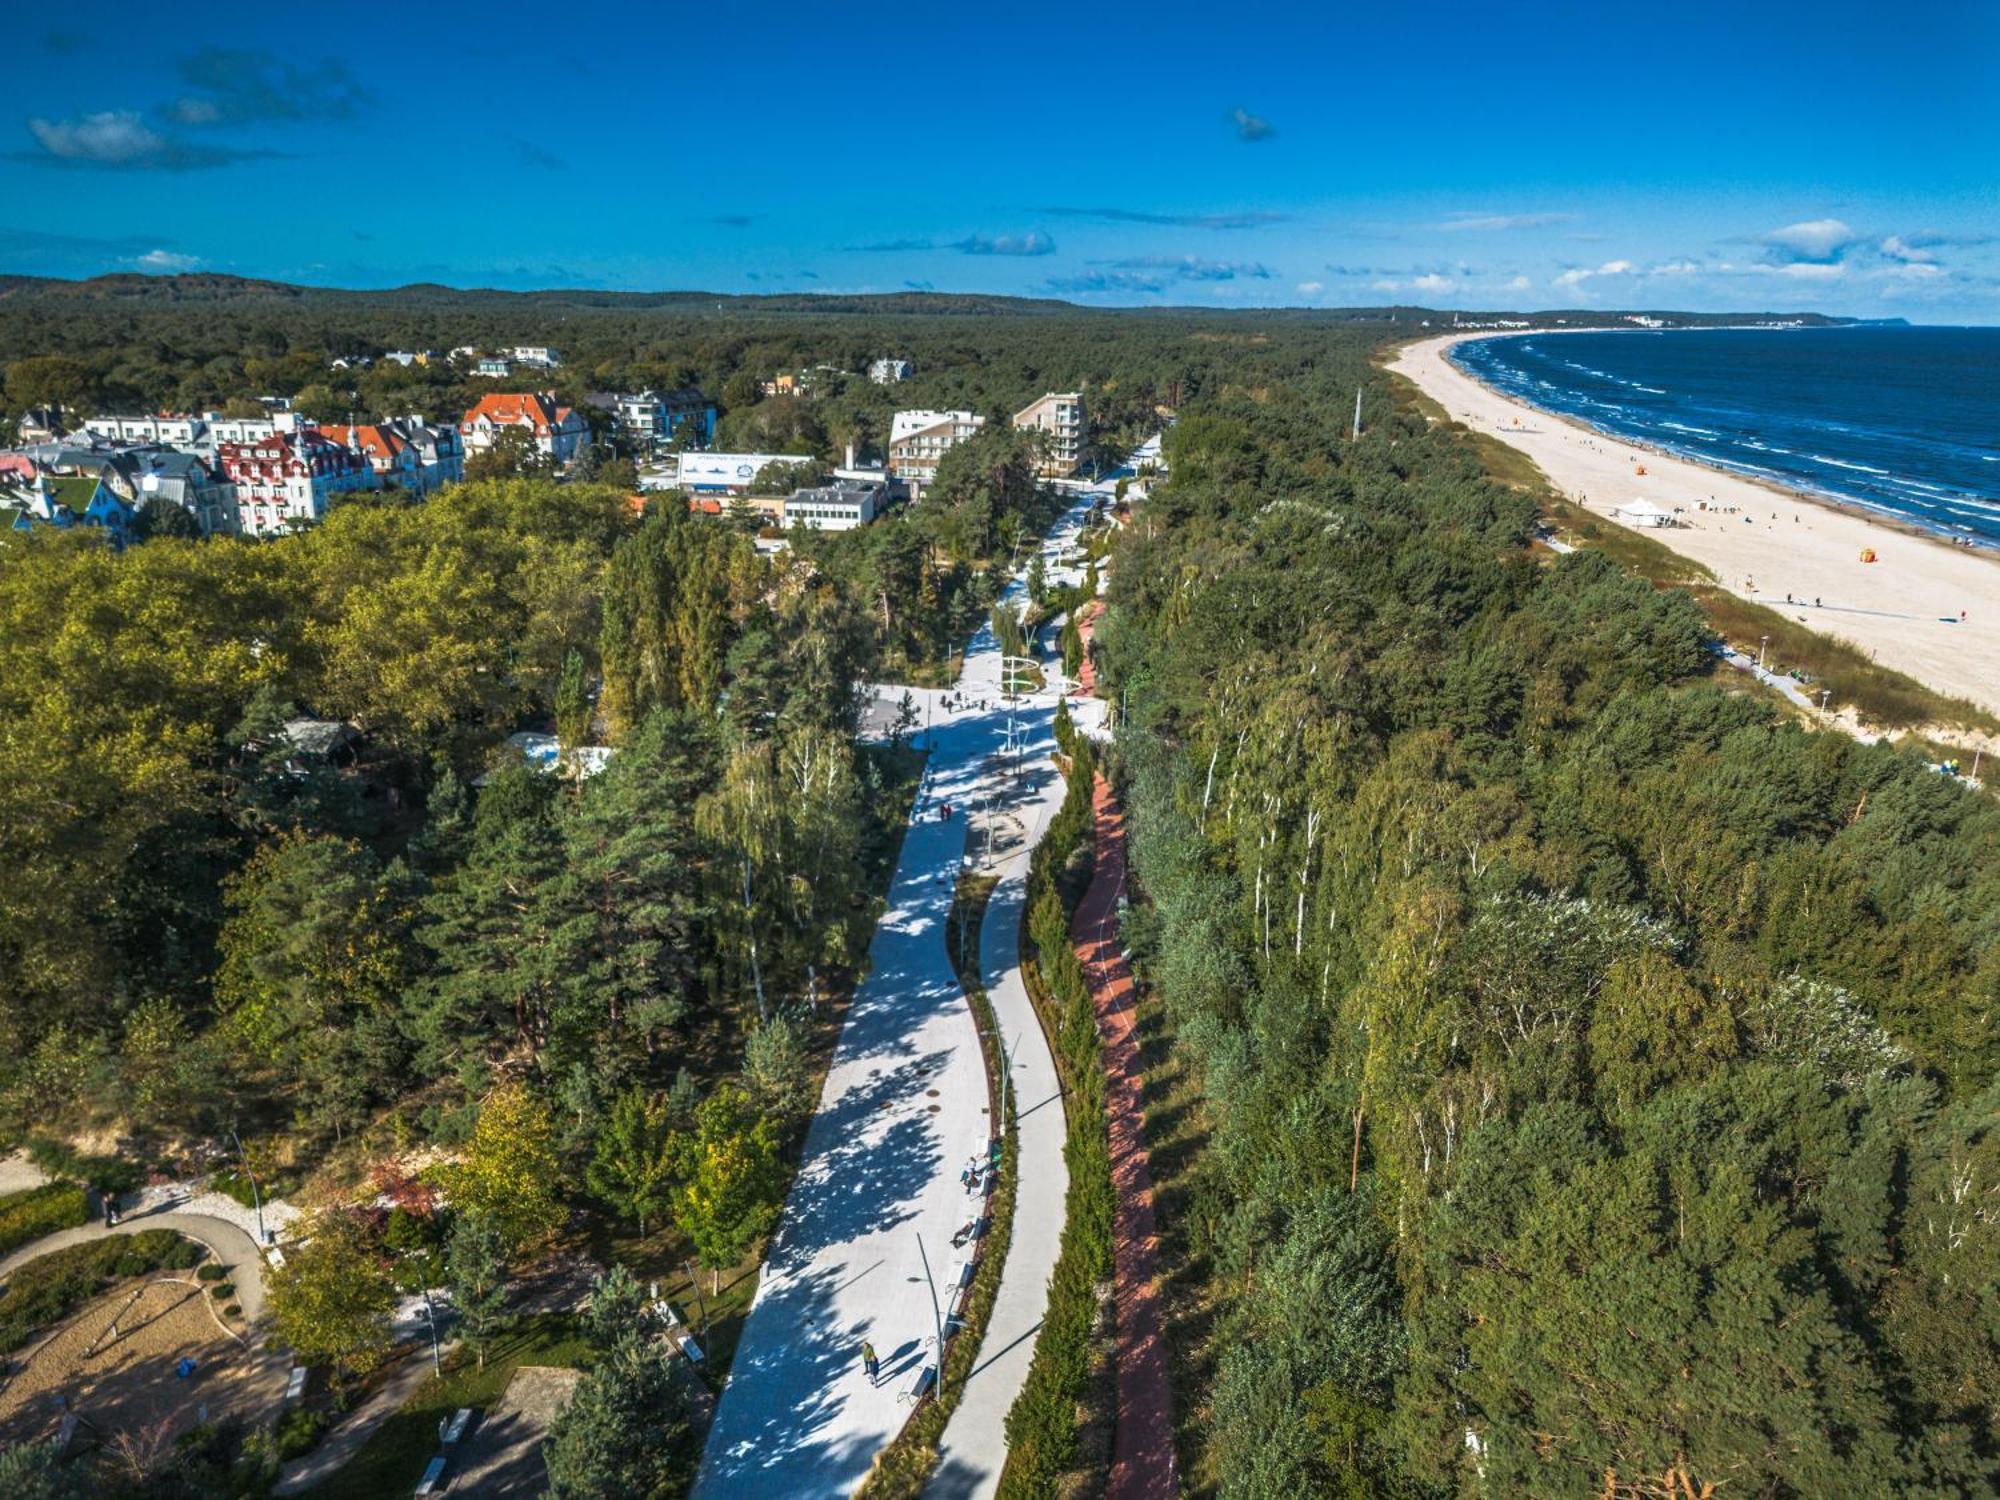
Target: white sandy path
x: 1891, y: 607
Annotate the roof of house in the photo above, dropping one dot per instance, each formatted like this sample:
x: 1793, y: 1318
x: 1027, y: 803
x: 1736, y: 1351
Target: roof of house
x: 519, y: 409
x: 908, y: 424
x: 378, y: 442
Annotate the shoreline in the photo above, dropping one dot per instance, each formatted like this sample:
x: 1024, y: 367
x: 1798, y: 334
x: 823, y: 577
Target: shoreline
x: 1903, y: 610
x: 1832, y: 500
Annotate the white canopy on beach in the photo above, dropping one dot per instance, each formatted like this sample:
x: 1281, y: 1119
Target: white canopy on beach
x: 1643, y: 513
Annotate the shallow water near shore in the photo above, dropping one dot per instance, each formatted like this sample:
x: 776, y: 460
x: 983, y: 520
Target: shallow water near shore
x: 1901, y: 421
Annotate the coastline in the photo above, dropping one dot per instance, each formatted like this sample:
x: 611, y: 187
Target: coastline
x: 1791, y: 489
x: 1768, y: 544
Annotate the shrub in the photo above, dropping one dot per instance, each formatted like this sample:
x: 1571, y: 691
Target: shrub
x: 213, y: 1271
x: 298, y: 1432
x: 234, y: 1185
x: 232, y: 1311
x: 29, y: 1215
x: 222, y: 1291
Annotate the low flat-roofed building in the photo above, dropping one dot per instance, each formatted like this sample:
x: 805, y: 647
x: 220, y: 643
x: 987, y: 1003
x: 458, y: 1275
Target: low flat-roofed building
x: 841, y: 506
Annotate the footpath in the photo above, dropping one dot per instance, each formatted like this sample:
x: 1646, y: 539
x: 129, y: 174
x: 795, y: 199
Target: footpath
x: 868, y: 1224
x: 973, y: 1447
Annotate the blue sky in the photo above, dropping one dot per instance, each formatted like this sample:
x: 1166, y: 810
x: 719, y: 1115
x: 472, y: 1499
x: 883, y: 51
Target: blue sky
x: 1833, y: 156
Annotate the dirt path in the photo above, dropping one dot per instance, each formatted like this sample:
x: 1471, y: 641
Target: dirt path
x: 1142, y: 1453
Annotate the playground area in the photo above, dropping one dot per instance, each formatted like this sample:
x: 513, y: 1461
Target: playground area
x: 143, y: 1362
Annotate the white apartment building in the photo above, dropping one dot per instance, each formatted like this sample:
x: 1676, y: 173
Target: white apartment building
x: 1058, y: 417
x: 890, y: 371
x: 541, y: 356
x: 174, y: 429
x: 918, y: 439
x: 288, y: 480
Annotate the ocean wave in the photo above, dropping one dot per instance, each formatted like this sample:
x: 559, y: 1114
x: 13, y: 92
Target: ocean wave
x: 1841, y: 463
x: 1698, y: 431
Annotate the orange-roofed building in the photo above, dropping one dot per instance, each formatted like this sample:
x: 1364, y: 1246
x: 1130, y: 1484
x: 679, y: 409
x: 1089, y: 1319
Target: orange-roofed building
x: 408, y: 452
x: 558, y: 431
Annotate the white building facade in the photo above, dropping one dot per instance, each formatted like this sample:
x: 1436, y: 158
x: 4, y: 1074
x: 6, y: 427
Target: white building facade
x: 919, y: 439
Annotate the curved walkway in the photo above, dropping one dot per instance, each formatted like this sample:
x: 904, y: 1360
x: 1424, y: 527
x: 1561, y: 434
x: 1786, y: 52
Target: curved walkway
x: 904, y: 1106
x: 226, y: 1241
x: 1142, y: 1451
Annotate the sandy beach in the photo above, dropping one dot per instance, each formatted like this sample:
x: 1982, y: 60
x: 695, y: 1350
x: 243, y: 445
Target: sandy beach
x: 1762, y: 543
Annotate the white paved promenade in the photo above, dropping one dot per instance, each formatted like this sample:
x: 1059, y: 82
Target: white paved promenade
x: 903, y: 1109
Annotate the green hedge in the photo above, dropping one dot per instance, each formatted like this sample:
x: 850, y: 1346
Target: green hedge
x: 51, y: 1287
x: 27, y: 1216
x: 1042, y: 1424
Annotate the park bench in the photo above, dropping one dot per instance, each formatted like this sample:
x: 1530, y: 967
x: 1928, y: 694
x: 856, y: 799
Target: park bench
x: 450, y: 1432
x: 920, y: 1384
x: 433, y: 1479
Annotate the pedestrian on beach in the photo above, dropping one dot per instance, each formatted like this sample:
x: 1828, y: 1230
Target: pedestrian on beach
x: 870, y: 1363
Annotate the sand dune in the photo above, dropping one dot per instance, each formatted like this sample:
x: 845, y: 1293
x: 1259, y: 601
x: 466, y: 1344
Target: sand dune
x: 1761, y: 542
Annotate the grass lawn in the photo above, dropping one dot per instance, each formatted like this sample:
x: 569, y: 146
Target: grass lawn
x: 392, y: 1461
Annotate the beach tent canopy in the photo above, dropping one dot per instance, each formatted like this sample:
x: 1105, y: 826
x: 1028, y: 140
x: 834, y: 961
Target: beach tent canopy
x: 1643, y: 513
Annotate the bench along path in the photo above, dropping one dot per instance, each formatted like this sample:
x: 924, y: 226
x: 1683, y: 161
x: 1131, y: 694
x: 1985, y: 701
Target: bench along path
x: 903, y: 1109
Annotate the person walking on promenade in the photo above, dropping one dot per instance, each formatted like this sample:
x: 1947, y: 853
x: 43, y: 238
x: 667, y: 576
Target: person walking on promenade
x: 870, y: 1363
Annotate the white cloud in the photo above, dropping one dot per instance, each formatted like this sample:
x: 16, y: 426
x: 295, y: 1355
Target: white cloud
x: 166, y: 261
x: 1813, y: 239
x: 114, y: 137
x: 1310, y: 288
x: 1812, y: 270
x: 1429, y: 281
x: 1578, y: 275
x: 1896, y: 247
x: 1479, y: 221
x: 1519, y: 284
x: 1677, y: 268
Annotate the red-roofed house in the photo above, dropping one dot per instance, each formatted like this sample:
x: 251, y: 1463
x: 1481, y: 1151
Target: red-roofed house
x: 288, y: 479
x: 408, y: 452
x: 558, y: 430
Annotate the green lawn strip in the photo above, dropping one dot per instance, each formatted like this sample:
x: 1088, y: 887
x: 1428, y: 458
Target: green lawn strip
x: 393, y: 1459
x: 902, y: 1469
x: 1057, y: 1430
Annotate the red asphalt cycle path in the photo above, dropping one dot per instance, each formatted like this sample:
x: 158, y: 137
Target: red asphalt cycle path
x: 1142, y: 1449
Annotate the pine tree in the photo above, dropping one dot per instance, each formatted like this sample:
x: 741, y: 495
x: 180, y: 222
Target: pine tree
x: 476, y: 1264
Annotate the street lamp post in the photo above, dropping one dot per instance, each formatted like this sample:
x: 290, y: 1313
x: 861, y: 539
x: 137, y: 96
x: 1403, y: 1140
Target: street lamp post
x: 256, y: 1197
x: 1762, y: 642
x: 431, y: 1317
x: 937, y: 1315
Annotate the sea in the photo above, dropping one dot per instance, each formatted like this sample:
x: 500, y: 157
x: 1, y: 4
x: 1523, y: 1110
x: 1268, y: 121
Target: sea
x: 1902, y: 421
